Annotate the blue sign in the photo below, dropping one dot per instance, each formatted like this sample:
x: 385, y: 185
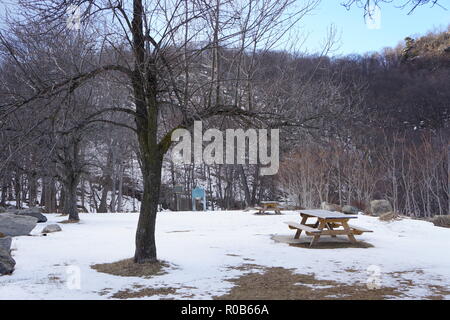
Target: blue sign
x: 198, y: 194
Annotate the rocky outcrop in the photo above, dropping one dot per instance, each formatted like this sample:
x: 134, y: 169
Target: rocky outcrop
x: 330, y: 206
x: 441, y: 221
x: 350, y: 210
x: 378, y: 207
x: 16, y: 225
x: 32, y: 212
x: 387, y: 216
x: 7, y: 263
x: 51, y: 228
x: 5, y: 243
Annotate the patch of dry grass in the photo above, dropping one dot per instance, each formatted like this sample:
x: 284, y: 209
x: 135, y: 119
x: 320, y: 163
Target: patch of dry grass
x: 127, y: 268
x: 141, y: 293
x: 283, y: 284
x: 68, y: 221
x: 439, y: 292
x: 441, y: 221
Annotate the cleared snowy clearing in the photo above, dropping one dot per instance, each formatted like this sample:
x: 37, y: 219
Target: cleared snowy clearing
x: 204, y: 249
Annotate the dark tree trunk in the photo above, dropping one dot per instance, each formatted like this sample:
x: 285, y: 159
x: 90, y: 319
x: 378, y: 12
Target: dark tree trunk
x: 248, y: 198
x: 33, y: 190
x: 106, y: 184
x: 70, y: 199
x: 17, y: 188
x: 6, y: 182
x: 145, y: 235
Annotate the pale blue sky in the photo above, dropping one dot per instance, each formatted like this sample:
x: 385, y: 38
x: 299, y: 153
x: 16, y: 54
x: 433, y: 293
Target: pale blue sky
x: 352, y: 31
x: 355, y: 37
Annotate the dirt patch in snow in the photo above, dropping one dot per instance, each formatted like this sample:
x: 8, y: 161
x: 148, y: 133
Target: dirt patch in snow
x: 439, y: 293
x: 127, y: 268
x: 145, y: 292
x: 140, y: 291
x: 277, y: 283
x: 441, y: 221
x: 68, y: 221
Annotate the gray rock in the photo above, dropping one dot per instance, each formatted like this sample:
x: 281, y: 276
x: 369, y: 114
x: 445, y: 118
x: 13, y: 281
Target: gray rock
x: 7, y: 263
x: 350, y: 210
x: 51, y: 228
x: 378, y: 207
x: 2, y: 209
x: 16, y: 225
x: 33, y: 212
x: 5, y: 243
x: 388, y: 216
x: 330, y: 206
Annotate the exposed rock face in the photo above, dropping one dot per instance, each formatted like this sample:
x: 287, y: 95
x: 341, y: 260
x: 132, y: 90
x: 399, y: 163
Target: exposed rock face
x: 378, y: 207
x: 5, y: 243
x: 32, y: 212
x: 441, y: 221
x: 388, y: 216
x: 350, y: 210
x: 7, y: 263
x: 330, y: 206
x: 51, y: 228
x: 16, y: 225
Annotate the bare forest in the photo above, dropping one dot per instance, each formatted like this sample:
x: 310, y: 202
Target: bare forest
x: 86, y: 114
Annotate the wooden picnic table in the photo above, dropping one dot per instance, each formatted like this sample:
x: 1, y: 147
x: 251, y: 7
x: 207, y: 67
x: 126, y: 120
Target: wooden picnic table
x: 269, y: 206
x: 329, y: 223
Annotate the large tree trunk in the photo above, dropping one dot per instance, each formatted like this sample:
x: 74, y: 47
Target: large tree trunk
x: 106, y: 184
x: 120, y: 188
x: 17, y: 189
x: 70, y: 199
x: 33, y: 186
x: 48, y: 197
x: 145, y: 235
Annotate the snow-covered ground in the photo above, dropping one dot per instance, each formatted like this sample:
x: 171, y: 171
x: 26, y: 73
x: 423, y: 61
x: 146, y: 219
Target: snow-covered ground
x: 202, y: 246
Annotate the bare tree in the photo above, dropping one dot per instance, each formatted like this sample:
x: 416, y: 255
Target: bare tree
x: 146, y: 38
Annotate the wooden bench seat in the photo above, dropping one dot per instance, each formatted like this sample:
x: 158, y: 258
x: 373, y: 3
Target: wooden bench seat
x: 358, y: 230
x: 298, y: 226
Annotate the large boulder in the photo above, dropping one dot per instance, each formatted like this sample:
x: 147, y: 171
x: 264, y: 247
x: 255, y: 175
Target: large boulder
x: 52, y: 228
x: 378, y: 207
x: 387, y: 216
x: 350, y: 210
x: 5, y: 243
x: 2, y: 209
x: 330, y: 206
x: 7, y: 263
x: 33, y: 212
x: 16, y: 225
x: 441, y: 221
